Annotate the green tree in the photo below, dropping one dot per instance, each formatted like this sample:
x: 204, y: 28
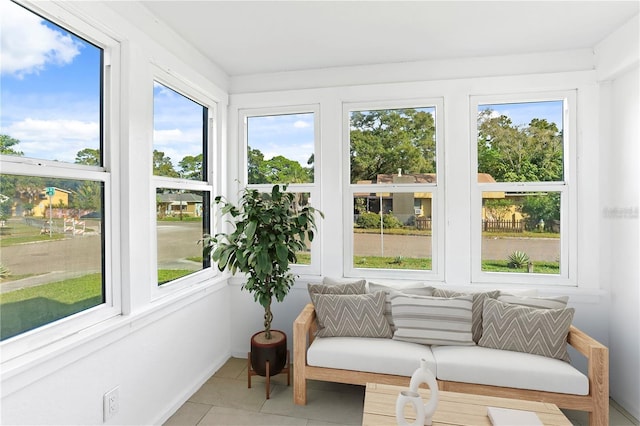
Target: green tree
x: 498, y: 209
x: 88, y: 196
x: 191, y: 167
x: 88, y: 156
x: 383, y: 141
x: 511, y: 154
x: 162, y: 165
x: 536, y: 207
x: 255, y: 167
x: 7, y: 144
x: 280, y: 169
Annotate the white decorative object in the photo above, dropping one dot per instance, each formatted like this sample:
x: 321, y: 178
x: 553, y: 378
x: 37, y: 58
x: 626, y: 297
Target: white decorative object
x: 424, y: 375
x: 413, y: 398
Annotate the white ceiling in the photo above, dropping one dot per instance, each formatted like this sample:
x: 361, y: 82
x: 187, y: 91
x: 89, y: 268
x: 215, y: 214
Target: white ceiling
x: 271, y: 36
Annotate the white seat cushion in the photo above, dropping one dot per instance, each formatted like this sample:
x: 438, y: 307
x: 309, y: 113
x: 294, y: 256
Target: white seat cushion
x: 373, y: 355
x: 496, y: 367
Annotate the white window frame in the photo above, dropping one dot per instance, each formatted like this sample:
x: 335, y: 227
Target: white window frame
x: 108, y: 174
x: 313, y: 188
x: 437, y: 189
x: 208, y: 184
x: 566, y: 188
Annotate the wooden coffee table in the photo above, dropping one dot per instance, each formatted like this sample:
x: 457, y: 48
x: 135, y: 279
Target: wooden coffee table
x: 453, y: 408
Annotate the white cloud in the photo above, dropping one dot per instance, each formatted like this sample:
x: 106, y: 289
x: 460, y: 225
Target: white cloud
x: 301, y: 124
x: 54, y: 139
x: 28, y: 45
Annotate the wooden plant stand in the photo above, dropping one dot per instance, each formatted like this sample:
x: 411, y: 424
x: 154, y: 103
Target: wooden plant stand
x: 251, y: 372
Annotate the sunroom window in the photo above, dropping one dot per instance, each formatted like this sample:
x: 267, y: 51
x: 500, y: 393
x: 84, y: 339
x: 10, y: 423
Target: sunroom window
x: 280, y: 146
x: 523, y: 191
x: 394, y: 191
x: 55, y: 186
x: 182, y: 180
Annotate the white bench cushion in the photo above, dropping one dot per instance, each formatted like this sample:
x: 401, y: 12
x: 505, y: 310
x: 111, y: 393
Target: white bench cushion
x: 373, y: 355
x: 496, y: 367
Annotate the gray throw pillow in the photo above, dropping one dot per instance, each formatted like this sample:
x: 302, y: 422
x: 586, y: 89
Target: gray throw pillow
x: 416, y: 289
x: 478, y: 303
x: 432, y: 320
x: 523, y: 329
x: 330, y: 286
x: 352, y: 315
x: 555, y: 302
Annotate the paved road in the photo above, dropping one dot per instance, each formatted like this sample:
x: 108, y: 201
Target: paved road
x: 540, y: 249
x: 73, y: 256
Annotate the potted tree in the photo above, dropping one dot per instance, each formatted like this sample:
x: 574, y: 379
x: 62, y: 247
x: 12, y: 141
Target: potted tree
x: 269, y: 230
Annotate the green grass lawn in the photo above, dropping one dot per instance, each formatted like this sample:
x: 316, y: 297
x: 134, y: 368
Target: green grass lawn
x: 19, y: 233
x: 31, y: 307
x: 503, y: 266
x: 166, y: 275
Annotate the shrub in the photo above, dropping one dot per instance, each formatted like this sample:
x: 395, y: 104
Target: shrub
x: 390, y: 221
x: 368, y: 220
x: 372, y: 220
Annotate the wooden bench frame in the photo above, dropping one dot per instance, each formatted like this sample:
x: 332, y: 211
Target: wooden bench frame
x: 596, y: 403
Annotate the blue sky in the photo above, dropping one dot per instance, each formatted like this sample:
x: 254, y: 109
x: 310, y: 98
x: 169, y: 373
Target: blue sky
x: 522, y: 113
x: 177, y: 124
x: 50, y: 94
x: 49, y: 87
x: 289, y: 135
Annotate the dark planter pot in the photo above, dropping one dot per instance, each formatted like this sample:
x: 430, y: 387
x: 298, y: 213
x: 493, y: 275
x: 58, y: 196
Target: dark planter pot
x: 273, y: 350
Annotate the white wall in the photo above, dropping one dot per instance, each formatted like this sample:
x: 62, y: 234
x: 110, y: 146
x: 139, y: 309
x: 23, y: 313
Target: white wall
x: 168, y: 341
x: 157, y: 360
x: 622, y: 242
x: 617, y: 60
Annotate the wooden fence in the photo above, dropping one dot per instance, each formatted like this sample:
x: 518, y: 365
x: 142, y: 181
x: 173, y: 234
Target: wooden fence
x: 423, y: 223
x: 503, y: 225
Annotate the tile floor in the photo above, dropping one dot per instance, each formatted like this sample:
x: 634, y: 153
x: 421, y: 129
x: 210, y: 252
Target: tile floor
x: 225, y: 400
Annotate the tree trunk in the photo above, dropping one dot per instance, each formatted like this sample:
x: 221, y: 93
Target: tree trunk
x: 268, y: 316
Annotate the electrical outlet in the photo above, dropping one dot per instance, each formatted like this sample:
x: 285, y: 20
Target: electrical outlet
x: 111, y: 403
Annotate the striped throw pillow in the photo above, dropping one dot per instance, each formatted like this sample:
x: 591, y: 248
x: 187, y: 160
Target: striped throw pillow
x: 432, y: 320
x: 478, y: 303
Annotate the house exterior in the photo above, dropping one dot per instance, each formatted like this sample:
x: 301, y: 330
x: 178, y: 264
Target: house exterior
x: 59, y: 199
x: 179, y: 204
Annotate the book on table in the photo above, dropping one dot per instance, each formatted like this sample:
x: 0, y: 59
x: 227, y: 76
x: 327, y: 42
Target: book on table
x: 509, y: 417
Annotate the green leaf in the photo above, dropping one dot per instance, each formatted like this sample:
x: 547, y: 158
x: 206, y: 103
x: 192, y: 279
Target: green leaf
x: 282, y: 252
x: 250, y: 230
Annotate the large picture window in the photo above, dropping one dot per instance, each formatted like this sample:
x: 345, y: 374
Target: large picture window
x: 55, y: 186
x: 522, y: 194
x: 280, y: 147
x: 182, y: 178
x: 394, y: 190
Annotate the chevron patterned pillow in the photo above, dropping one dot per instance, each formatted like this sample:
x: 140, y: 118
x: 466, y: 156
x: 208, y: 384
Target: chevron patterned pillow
x: 352, y: 315
x: 555, y: 302
x: 331, y: 286
x: 523, y: 329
